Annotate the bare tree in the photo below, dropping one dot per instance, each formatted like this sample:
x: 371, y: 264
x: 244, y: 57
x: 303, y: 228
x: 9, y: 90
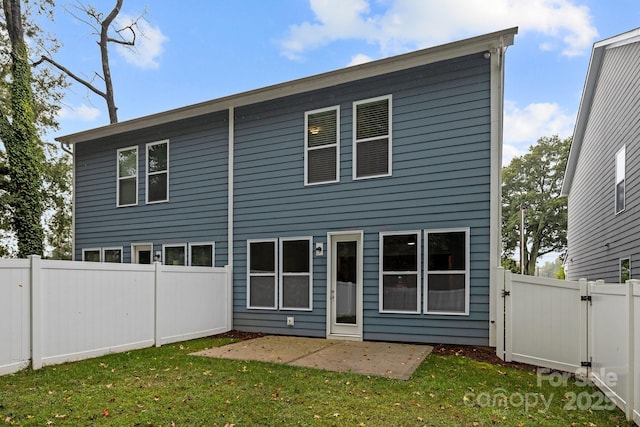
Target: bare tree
x: 104, y: 28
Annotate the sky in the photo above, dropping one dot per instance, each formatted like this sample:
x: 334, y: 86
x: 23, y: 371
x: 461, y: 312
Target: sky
x: 198, y: 50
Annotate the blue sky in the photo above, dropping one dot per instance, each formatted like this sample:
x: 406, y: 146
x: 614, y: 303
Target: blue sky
x: 197, y: 50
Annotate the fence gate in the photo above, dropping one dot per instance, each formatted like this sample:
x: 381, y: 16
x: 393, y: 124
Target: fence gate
x: 545, y: 322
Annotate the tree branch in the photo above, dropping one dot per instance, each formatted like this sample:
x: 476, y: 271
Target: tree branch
x: 70, y: 74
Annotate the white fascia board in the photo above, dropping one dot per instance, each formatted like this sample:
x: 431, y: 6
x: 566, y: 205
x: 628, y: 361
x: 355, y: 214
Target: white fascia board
x: 444, y: 52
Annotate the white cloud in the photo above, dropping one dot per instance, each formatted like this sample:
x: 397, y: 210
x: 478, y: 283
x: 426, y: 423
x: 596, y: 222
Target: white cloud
x: 358, y: 59
x: 410, y: 24
x: 523, y: 126
x: 149, y: 43
x: 82, y: 112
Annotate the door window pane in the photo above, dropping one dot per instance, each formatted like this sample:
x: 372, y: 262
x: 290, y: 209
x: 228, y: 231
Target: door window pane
x: 346, y: 282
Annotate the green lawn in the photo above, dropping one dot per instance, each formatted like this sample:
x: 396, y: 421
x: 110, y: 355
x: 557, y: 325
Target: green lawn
x: 166, y: 386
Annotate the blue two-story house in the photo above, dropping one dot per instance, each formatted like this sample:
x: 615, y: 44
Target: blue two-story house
x: 362, y: 203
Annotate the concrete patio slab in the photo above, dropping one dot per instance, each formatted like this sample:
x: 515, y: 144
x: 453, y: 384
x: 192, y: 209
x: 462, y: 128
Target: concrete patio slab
x: 383, y: 359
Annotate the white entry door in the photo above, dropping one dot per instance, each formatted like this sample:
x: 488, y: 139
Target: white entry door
x: 345, y: 285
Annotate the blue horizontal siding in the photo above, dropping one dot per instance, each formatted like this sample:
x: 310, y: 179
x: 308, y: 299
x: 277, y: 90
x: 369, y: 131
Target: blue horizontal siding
x: 441, y: 179
x: 198, y: 191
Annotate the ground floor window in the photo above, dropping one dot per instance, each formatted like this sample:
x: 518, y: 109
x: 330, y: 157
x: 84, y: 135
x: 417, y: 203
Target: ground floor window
x: 112, y: 255
x: 91, y: 255
x: 279, y: 273
x: 400, y: 272
x: 447, y: 271
x: 175, y: 254
x: 201, y: 254
x: 261, y: 269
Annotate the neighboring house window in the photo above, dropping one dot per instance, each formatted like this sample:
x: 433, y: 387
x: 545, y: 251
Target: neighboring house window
x: 112, y: 255
x: 127, y: 190
x: 175, y: 254
x: 295, y: 274
x: 400, y: 272
x: 620, y: 179
x: 261, y: 274
x: 372, y: 138
x: 201, y: 254
x: 92, y: 255
x: 322, y: 151
x: 447, y: 271
x: 157, y: 172
x: 625, y: 269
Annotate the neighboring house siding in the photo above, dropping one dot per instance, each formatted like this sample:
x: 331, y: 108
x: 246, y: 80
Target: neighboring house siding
x: 197, y: 206
x: 612, y: 123
x: 440, y: 179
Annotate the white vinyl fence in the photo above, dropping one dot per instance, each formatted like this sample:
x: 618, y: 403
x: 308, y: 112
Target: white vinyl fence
x: 591, y: 328
x: 58, y: 311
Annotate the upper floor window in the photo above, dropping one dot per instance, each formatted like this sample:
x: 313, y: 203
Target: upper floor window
x: 157, y: 172
x: 322, y: 152
x: 127, y: 189
x: 620, y: 179
x: 372, y: 138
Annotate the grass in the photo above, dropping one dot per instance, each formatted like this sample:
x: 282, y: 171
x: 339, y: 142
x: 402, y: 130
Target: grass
x: 168, y: 387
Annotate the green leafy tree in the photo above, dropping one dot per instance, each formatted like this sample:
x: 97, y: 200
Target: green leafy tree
x: 23, y: 117
x: 24, y: 154
x: 534, y: 181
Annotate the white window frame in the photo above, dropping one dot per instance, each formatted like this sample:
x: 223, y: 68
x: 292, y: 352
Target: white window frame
x: 620, y: 268
x: 621, y: 160
x: 282, y: 274
x: 84, y: 250
x: 115, y: 248
x: 146, y: 168
x: 466, y: 272
x: 356, y: 141
x: 382, y: 273
x: 307, y: 148
x: 174, y: 245
x: 274, y: 274
x: 119, y: 178
x: 213, y: 251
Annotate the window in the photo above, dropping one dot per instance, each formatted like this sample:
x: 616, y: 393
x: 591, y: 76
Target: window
x: 295, y: 274
x: 620, y: 179
x: 127, y: 190
x: 261, y: 272
x: 322, y: 151
x: 112, y: 255
x: 447, y: 271
x: 175, y: 254
x: 92, y: 255
x: 625, y: 270
x: 158, y: 172
x: 400, y: 272
x: 201, y: 254
x: 372, y: 138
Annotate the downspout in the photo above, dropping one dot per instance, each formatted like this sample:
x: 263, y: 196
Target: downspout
x: 495, y: 212
x: 230, y: 237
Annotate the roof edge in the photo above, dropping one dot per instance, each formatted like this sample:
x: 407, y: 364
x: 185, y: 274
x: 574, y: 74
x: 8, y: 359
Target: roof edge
x: 426, y: 56
x: 588, y: 92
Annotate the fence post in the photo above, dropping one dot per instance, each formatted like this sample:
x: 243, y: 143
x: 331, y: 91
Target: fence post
x: 36, y: 311
x: 508, y: 322
x: 499, y: 319
x: 585, y: 326
x: 631, y: 401
x: 156, y: 311
x: 229, y: 277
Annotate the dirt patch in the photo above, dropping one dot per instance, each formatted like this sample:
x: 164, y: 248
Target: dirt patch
x: 481, y: 354
x: 243, y: 336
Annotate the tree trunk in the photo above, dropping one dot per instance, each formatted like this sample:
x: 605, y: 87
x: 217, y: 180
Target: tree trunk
x: 24, y: 152
x: 106, y: 70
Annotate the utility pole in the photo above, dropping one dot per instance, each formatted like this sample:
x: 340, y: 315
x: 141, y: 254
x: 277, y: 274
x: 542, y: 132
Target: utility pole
x: 522, y: 241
